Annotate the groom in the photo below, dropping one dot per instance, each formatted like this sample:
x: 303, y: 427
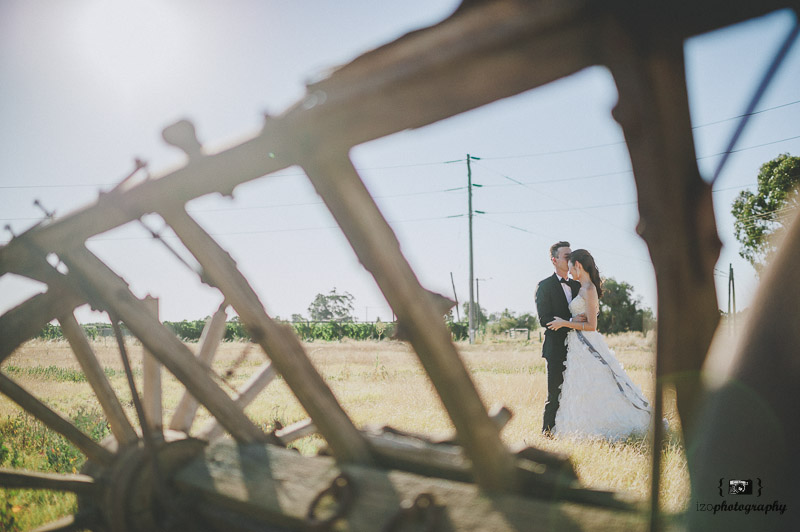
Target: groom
x: 553, y: 296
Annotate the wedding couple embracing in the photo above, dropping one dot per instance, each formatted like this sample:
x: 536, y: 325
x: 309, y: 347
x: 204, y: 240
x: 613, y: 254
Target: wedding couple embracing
x: 589, y: 395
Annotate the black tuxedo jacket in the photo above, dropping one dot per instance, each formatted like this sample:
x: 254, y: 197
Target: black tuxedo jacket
x: 551, y: 303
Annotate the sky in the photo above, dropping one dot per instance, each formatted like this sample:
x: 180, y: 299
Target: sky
x: 87, y: 86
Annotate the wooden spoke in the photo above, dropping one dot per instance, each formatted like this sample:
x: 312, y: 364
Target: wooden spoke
x: 340, y: 186
x: 250, y: 391
x: 151, y: 377
x: 295, y: 431
x: 213, y: 333
x: 80, y: 484
x: 120, y: 425
x: 161, y: 342
x: 26, y: 320
x: 278, y: 341
x: 94, y: 451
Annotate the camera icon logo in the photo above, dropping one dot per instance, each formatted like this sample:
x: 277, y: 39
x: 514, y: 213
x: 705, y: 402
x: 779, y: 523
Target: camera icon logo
x: 740, y: 487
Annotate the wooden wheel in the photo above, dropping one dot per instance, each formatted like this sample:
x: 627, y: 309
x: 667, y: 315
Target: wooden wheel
x: 156, y: 478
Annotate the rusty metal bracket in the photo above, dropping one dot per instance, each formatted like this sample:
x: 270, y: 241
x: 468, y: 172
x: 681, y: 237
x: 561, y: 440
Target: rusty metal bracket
x: 341, y: 491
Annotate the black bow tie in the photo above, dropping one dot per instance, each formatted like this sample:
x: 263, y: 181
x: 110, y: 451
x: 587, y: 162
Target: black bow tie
x: 560, y: 280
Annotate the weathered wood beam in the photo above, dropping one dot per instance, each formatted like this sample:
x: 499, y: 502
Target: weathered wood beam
x: 94, y: 451
x: 213, y: 332
x: 376, y: 246
x: 120, y: 425
x: 244, y: 480
x: 278, y: 341
x: 113, y: 293
x: 675, y: 205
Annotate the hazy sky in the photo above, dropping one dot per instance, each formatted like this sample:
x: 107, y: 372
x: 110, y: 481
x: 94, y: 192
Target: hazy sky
x: 89, y: 85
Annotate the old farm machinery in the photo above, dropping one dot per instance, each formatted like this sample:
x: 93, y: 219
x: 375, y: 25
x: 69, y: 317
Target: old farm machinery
x: 165, y: 478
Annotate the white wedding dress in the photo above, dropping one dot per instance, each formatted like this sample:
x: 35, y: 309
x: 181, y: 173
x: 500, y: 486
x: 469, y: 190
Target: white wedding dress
x: 598, y: 399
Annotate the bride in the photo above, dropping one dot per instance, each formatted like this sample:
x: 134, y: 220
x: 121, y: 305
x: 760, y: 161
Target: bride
x: 598, y: 399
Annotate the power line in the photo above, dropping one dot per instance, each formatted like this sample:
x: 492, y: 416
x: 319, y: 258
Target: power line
x: 746, y: 114
x: 554, y: 198
x: 565, y: 208
x: 435, y: 163
x: 750, y: 147
x: 484, y: 217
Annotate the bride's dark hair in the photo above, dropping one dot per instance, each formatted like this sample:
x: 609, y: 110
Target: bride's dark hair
x: 587, y: 261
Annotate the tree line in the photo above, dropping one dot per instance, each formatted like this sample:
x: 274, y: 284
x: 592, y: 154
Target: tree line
x: 332, y: 318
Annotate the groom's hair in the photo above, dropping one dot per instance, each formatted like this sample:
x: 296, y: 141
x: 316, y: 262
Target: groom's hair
x: 554, y: 247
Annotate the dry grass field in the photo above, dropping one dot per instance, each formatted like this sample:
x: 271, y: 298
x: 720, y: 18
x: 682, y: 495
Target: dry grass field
x: 378, y: 383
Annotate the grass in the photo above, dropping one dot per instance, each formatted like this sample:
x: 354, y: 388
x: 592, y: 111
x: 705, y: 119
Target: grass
x: 376, y: 382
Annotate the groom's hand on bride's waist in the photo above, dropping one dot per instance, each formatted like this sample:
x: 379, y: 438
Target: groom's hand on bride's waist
x: 580, y: 318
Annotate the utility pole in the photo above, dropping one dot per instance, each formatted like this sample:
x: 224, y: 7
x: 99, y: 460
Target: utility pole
x: 471, y: 266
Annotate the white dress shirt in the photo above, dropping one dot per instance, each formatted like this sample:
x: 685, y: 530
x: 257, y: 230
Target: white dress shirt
x: 567, y: 289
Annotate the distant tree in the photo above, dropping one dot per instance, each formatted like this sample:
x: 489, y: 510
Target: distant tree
x: 619, y: 310
x: 509, y: 320
x: 334, y: 306
x: 764, y: 215
x: 298, y: 318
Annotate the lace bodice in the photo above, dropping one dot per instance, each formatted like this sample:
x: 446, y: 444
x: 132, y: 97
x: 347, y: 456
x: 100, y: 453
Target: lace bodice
x: 577, y: 306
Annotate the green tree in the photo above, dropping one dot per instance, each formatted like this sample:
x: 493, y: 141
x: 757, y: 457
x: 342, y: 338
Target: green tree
x: 619, y: 310
x: 762, y: 216
x: 509, y: 320
x: 332, y: 307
